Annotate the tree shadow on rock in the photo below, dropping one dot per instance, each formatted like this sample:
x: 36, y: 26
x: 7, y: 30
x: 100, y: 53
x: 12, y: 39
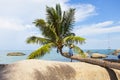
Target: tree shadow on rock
x: 3, y: 70
x: 112, y: 74
x: 58, y: 72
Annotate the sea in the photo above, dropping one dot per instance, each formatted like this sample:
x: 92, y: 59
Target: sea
x: 52, y: 56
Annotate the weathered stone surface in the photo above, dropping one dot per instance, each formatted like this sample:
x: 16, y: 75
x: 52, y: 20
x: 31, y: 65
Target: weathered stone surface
x: 98, y: 55
x: 53, y: 70
x: 15, y: 54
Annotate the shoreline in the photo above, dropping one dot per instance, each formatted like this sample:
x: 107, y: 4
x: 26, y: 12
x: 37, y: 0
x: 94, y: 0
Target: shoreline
x: 52, y: 56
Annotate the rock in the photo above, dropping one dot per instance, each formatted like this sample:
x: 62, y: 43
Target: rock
x: 53, y: 70
x: 15, y: 54
x: 98, y: 55
x: 116, y: 52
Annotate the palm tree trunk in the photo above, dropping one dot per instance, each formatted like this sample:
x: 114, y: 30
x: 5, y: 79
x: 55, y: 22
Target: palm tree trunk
x: 102, y: 63
x: 60, y: 49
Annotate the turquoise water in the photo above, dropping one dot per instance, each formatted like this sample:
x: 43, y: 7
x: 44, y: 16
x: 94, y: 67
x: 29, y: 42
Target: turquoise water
x: 53, y: 55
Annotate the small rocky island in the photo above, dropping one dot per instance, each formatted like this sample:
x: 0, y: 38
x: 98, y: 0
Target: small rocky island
x: 15, y: 54
x: 98, y: 55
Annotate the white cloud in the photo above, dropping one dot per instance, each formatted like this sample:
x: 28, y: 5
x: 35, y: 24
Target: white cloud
x: 15, y: 14
x: 11, y: 24
x: 28, y: 10
x: 102, y: 24
x: 16, y: 17
x: 98, y: 28
x: 84, y: 11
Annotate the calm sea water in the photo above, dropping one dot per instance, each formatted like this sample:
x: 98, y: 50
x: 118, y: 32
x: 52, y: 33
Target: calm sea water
x: 53, y: 55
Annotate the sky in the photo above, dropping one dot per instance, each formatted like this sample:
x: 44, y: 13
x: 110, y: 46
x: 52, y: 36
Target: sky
x: 96, y: 20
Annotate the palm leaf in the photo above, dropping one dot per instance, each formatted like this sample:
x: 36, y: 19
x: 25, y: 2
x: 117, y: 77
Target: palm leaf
x: 51, y: 15
x: 79, y: 51
x: 41, y: 51
x: 37, y: 40
x: 54, y: 17
x: 39, y: 23
x: 72, y: 39
x: 68, y: 21
x: 50, y: 33
x: 48, y: 30
x: 58, y: 11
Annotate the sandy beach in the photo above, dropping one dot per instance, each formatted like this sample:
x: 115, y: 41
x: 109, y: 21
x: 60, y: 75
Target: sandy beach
x: 54, y: 70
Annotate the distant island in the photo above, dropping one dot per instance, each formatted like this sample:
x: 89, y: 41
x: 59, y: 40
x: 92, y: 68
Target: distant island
x: 15, y: 54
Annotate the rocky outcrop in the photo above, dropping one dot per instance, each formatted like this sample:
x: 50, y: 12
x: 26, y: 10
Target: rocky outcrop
x: 98, y: 55
x: 116, y: 52
x: 15, y: 54
x: 53, y: 70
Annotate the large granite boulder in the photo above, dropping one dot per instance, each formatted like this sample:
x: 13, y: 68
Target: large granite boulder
x: 98, y: 55
x: 53, y: 70
x: 15, y: 54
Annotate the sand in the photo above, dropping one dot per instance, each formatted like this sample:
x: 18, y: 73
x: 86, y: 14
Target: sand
x: 53, y: 70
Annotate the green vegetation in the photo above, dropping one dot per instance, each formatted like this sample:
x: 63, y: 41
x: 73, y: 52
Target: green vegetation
x: 57, y: 32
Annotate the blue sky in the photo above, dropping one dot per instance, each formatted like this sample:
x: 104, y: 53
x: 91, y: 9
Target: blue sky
x: 96, y: 20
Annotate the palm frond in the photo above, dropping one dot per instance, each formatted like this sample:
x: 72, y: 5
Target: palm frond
x: 50, y: 33
x: 39, y: 23
x: 54, y: 17
x: 79, y: 51
x: 37, y: 40
x: 59, y: 11
x: 41, y: 51
x: 48, y: 30
x: 51, y: 15
x: 68, y: 21
x: 73, y: 39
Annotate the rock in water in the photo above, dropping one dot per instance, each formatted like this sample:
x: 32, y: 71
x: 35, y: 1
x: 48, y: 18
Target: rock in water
x: 15, y: 54
x: 116, y: 52
x: 98, y: 55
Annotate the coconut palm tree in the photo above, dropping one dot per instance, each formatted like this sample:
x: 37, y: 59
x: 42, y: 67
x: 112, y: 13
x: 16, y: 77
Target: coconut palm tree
x: 56, y: 31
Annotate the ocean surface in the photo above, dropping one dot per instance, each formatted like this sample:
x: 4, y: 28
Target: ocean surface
x: 53, y: 55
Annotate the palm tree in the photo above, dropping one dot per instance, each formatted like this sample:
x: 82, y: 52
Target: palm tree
x: 57, y: 34
x: 56, y: 31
